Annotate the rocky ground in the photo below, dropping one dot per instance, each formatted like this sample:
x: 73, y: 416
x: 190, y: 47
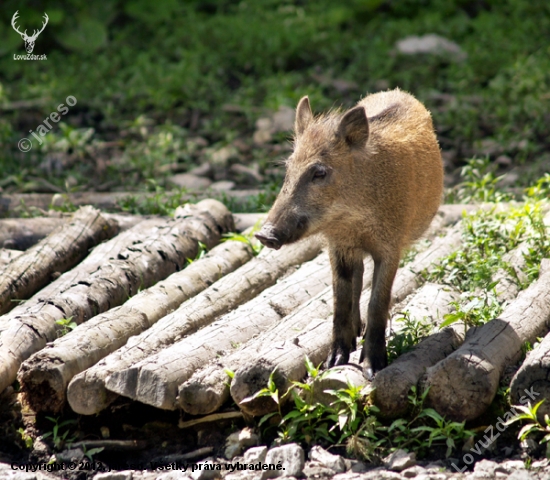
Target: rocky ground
x: 285, y: 461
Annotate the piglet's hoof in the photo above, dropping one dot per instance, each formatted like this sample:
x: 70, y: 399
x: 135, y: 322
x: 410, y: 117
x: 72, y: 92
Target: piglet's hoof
x: 337, y: 356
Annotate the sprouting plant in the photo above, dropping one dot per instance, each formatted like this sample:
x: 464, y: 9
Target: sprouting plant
x: 201, y: 252
x: 59, y: 437
x: 92, y: 451
x: 66, y: 324
x: 534, y: 425
x: 27, y: 439
x: 351, y: 420
x: 479, y: 184
x: 248, y: 239
x: 408, y: 335
x: 474, y: 309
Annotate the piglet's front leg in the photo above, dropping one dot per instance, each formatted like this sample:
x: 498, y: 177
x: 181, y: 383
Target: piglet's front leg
x: 347, y: 281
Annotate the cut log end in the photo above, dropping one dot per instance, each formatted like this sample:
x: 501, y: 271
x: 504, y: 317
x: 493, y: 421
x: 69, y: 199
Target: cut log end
x: 461, y: 387
x: 252, y: 379
x: 193, y: 398
x: 88, y: 397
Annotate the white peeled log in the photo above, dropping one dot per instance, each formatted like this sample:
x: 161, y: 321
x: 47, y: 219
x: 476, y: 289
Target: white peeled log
x: 44, y: 377
x: 87, y: 393
x: 158, y: 376
x: 465, y: 383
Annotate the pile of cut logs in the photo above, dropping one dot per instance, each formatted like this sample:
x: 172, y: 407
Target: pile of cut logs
x: 156, y: 327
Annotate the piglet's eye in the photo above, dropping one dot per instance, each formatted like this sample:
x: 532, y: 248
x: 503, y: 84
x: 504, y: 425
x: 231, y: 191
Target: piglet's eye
x: 319, y: 173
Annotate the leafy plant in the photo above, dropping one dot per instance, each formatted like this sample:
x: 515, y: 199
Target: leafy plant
x: 479, y: 183
x: 66, y: 324
x: 350, y: 420
x: 59, y: 437
x: 27, y: 439
x: 534, y: 425
x: 408, y: 335
x: 201, y: 252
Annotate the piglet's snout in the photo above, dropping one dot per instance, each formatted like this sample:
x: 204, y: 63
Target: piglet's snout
x: 268, y: 236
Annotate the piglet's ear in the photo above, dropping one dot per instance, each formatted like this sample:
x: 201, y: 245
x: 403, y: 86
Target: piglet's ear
x: 303, y: 116
x: 354, y: 127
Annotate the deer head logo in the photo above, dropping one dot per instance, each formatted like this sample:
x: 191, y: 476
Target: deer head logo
x: 29, y: 41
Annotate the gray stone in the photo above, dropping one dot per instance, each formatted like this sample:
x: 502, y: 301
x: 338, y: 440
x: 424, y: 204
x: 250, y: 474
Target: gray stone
x: 175, y: 475
x: 317, y: 470
x: 124, y: 475
x: 206, y: 474
x: 290, y: 456
x: 238, y: 441
x: 336, y: 378
x: 334, y: 462
x: 521, y: 475
x: 255, y: 455
x: 190, y: 181
x: 223, y: 186
x: 412, y: 472
x: 400, y: 460
x: 359, y: 467
x: 430, y: 44
x: 487, y: 466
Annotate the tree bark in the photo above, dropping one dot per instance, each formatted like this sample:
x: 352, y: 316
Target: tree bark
x: 158, y: 376
x: 392, y: 385
x: 61, y: 250
x: 45, y: 375
x: 207, y: 389
x: 86, y: 393
x: 6, y: 256
x: 114, y: 271
x: 464, y: 384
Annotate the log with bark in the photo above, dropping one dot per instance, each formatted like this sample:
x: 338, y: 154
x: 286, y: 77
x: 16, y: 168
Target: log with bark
x: 287, y: 360
x: 207, y: 388
x: 392, y: 385
x: 87, y: 394
x: 6, y: 256
x: 44, y: 377
x: 58, y: 252
x: 464, y: 384
x: 114, y: 271
x: 531, y: 383
x: 155, y: 380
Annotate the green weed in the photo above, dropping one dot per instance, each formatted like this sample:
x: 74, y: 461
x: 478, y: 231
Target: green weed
x: 350, y: 421
x: 409, y: 335
x: 67, y: 325
x: 59, y: 436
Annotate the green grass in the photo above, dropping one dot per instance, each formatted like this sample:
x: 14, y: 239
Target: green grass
x: 142, y: 71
